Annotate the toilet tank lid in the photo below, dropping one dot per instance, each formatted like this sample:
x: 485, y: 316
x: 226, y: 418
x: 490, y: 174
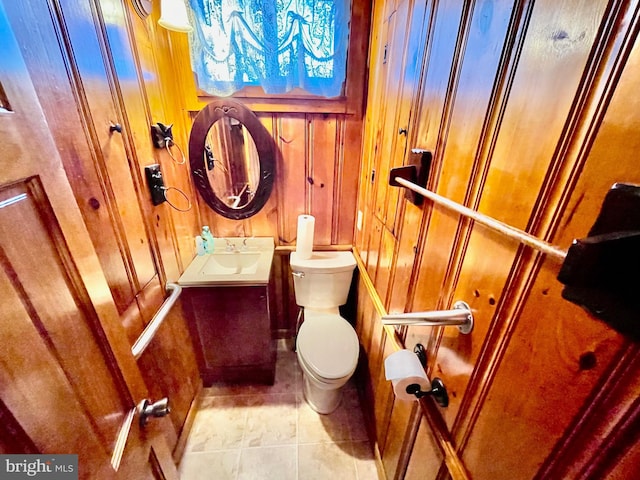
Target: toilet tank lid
x: 324, y: 262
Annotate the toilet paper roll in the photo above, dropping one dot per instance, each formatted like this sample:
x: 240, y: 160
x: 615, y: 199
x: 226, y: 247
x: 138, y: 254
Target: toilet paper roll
x: 304, y: 242
x: 403, y: 368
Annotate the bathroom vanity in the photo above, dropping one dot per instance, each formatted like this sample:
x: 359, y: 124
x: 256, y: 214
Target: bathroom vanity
x: 228, y: 307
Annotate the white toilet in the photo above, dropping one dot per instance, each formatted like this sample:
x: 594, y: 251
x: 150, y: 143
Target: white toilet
x: 327, y: 345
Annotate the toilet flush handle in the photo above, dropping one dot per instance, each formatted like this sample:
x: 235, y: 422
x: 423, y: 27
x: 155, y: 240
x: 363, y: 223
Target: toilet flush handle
x: 298, y: 274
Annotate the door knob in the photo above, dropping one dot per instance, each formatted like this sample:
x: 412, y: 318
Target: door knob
x: 146, y: 409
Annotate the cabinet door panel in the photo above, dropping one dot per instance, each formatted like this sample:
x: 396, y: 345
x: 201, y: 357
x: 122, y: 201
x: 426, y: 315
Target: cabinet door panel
x: 231, y: 327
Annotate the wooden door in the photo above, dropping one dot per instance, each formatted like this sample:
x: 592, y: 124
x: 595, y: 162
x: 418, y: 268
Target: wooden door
x: 68, y: 381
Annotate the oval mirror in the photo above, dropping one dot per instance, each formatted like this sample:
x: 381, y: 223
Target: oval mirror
x: 231, y: 157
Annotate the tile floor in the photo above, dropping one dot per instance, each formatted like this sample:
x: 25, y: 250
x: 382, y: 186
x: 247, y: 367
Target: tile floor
x: 270, y: 433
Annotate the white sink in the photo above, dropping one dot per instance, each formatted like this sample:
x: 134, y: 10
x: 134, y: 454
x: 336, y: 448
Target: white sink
x: 235, y: 261
x: 231, y: 263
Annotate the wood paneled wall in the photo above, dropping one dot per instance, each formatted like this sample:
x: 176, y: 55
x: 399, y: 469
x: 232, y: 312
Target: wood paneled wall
x: 529, y: 111
x: 316, y: 173
x: 318, y: 143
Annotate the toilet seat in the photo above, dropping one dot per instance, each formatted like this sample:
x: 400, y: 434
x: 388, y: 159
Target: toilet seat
x: 328, y: 345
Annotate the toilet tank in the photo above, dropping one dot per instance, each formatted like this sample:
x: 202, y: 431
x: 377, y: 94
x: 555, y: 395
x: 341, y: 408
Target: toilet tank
x: 323, y: 280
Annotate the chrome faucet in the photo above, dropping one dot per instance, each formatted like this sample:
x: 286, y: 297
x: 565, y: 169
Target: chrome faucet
x: 231, y: 247
x: 244, y: 243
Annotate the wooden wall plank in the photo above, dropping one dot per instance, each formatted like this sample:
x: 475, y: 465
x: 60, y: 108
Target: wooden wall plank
x: 266, y: 221
x: 171, y: 228
x: 369, y: 130
x: 545, y: 345
x: 400, y: 437
x: 171, y: 51
x: 582, y: 452
x: 292, y: 177
x: 349, y: 170
x: 375, y: 239
x: 401, y: 290
x: 425, y: 458
x: 372, y: 125
x: 436, y: 66
x: 416, y: 15
x: 393, y: 57
x: 431, y: 109
x: 323, y: 162
x: 546, y: 306
x: 383, y: 272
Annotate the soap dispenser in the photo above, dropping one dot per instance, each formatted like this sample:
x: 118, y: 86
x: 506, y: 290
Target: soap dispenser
x: 200, y: 246
x: 207, y: 239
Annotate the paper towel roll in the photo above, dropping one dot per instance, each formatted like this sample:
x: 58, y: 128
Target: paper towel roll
x: 403, y: 368
x: 304, y: 242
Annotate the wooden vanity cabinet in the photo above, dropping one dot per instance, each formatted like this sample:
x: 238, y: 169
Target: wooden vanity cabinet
x: 231, y: 328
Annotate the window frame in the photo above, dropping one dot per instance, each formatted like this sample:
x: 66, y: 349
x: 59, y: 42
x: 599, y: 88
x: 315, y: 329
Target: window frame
x: 298, y: 101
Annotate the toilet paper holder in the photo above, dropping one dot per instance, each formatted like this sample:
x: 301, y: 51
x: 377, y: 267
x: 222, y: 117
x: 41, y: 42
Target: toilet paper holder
x: 438, y: 392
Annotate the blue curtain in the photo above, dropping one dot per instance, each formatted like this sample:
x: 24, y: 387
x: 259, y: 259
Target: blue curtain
x: 277, y: 44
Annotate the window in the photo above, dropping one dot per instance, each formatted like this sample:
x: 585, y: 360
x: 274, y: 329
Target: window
x: 279, y: 45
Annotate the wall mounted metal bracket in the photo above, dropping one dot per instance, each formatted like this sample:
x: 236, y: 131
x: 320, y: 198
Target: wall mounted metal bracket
x: 161, y: 135
x: 421, y: 352
x: 416, y: 172
x: 438, y: 392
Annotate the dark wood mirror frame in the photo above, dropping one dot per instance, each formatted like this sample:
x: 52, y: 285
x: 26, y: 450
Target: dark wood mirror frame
x: 264, y: 145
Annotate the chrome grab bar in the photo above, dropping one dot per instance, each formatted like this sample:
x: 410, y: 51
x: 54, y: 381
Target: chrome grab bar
x: 152, y: 327
x: 461, y: 316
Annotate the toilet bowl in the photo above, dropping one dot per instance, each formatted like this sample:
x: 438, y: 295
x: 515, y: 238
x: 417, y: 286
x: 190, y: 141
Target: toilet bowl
x: 327, y: 345
x: 327, y: 348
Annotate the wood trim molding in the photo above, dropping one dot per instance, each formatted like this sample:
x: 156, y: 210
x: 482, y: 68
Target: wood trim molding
x: 121, y: 441
x: 320, y: 248
x: 13, y: 438
x: 366, y: 279
x: 183, y: 435
x: 452, y: 460
x: 282, y: 105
